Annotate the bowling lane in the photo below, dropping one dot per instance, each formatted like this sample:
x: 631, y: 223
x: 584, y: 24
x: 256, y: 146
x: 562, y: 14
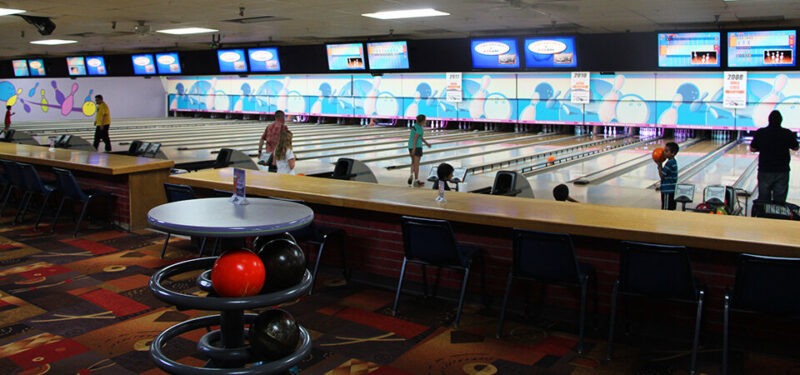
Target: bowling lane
x: 645, y: 176
x: 725, y: 170
x: 599, y: 163
x: 352, y: 148
x: 498, y: 153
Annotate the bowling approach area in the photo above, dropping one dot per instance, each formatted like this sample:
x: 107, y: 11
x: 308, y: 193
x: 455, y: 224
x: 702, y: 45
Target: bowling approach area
x: 610, y: 167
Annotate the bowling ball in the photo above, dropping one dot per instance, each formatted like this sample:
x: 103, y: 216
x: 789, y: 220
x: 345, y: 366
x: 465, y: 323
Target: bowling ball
x: 284, y: 262
x: 658, y: 155
x: 260, y: 241
x: 238, y: 273
x: 551, y: 159
x: 273, y: 335
x: 301, y: 174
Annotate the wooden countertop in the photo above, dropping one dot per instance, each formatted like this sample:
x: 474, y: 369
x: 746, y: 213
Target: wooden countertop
x: 96, y: 162
x: 706, y: 231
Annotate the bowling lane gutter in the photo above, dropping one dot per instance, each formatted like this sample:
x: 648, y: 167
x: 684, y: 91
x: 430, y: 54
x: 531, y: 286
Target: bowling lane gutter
x: 699, y: 164
x: 620, y: 169
x: 485, y: 152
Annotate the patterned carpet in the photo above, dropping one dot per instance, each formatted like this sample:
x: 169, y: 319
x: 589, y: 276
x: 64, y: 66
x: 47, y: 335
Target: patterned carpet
x: 82, y: 306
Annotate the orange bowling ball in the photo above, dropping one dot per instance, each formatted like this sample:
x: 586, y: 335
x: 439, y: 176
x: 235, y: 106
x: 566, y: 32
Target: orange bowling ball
x: 551, y: 159
x: 658, y: 155
x: 301, y: 174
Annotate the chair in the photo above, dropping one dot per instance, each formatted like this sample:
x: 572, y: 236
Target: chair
x: 133, y: 149
x: 549, y: 258
x: 223, y: 158
x: 70, y: 190
x: 763, y: 284
x: 321, y: 236
x: 16, y: 181
x: 657, y: 271
x: 432, y: 242
x: 176, y: 193
x: 34, y: 185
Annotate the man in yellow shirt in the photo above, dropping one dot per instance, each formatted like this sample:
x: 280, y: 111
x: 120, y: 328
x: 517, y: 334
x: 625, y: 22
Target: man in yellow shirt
x: 102, y: 122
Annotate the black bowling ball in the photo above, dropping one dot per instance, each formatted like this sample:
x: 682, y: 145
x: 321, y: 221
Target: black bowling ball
x: 273, y: 335
x: 284, y: 263
x: 260, y: 241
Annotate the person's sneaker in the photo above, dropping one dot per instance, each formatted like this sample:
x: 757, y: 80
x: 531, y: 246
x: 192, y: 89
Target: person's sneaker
x: 410, y: 179
x: 419, y: 183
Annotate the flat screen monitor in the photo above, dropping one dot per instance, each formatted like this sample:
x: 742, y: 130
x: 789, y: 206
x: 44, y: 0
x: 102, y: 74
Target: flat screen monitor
x: 143, y: 64
x: 232, y: 61
x: 143, y: 148
x: 346, y: 56
x: 495, y: 53
x: 36, y: 67
x: 551, y: 52
x: 688, y: 50
x: 153, y: 149
x: 762, y: 48
x: 20, y: 68
x: 388, y: 55
x: 264, y: 59
x: 96, y: 65
x: 168, y: 63
x: 76, y: 66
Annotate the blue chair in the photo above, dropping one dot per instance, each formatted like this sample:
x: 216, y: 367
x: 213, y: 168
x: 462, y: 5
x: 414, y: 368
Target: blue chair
x: 657, y: 271
x: 432, y: 242
x: 72, y: 191
x: 548, y: 258
x: 763, y: 284
x: 321, y: 236
x: 176, y: 193
x: 34, y: 185
x: 13, y: 174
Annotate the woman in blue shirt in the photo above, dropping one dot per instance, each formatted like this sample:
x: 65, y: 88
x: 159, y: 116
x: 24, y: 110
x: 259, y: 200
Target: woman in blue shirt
x: 415, y: 141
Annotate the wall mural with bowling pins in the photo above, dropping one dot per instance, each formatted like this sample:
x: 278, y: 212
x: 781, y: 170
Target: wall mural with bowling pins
x: 666, y: 99
x: 63, y: 98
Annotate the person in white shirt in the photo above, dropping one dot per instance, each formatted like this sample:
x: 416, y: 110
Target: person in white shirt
x: 283, y: 158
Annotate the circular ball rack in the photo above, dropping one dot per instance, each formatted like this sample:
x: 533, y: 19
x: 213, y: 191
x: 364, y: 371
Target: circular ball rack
x: 225, y: 348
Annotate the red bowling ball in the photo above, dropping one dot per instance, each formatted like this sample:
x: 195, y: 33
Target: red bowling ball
x: 238, y: 273
x: 658, y: 155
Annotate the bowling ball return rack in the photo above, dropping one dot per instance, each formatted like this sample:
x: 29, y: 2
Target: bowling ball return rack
x: 225, y: 348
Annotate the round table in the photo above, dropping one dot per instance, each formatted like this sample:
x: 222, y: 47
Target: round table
x: 217, y: 217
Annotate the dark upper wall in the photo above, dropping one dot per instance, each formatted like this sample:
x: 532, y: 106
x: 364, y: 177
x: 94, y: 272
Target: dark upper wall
x: 596, y: 52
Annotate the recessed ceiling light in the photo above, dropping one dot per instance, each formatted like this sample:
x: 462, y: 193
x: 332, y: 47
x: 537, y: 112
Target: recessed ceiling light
x: 410, y: 13
x: 6, y: 11
x: 187, y: 30
x: 53, y: 42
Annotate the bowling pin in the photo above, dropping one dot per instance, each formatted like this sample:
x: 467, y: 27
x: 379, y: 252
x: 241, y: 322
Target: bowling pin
x: 768, y: 102
x: 478, y: 100
x: 370, y: 102
x: 607, y: 110
x: 670, y: 115
x: 529, y: 113
x: 44, y: 106
x: 32, y: 91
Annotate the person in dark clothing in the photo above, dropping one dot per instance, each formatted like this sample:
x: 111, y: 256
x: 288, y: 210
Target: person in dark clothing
x: 444, y: 172
x: 773, y: 144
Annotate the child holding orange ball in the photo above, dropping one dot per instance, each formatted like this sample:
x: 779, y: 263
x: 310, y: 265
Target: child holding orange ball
x: 669, y: 175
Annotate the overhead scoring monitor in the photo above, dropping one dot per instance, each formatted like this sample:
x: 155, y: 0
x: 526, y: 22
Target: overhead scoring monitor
x: 20, y: 68
x: 96, y: 66
x: 762, y: 48
x: 36, y: 67
x: 76, y: 66
x: 683, y: 50
x: 264, y: 59
x: 143, y: 64
x: 168, y: 63
x: 348, y: 56
x: 495, y: 53
x: 550, y: 52
x: 388, y: 55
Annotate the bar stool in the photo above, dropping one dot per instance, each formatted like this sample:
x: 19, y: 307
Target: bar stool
x: 71, y: 190
x: 763, y: 284
x: 432, y: 242
x: 548, y: 258
x: 34, y: 185
x: 176, y: 193
x: 657, y: 271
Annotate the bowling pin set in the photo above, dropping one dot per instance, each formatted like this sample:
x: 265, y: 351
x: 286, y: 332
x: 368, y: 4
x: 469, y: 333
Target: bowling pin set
x: 684, y: 133
x: 722, y: 135
x: 651, y: 132
x: 522, y: 128
x: 464, y: 125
